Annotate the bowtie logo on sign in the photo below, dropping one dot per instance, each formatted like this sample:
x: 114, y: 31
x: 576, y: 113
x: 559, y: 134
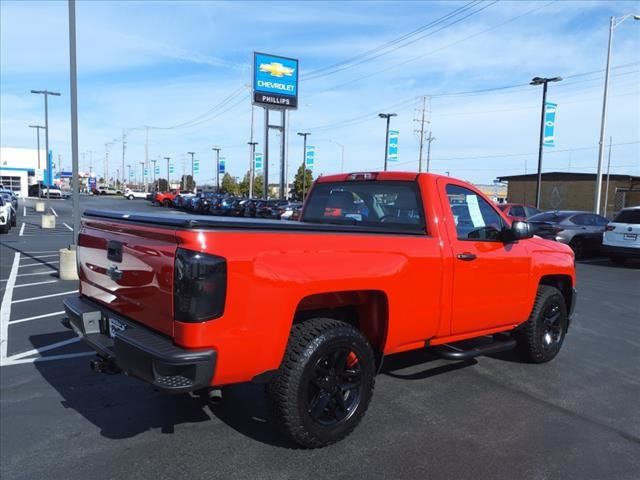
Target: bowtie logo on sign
x: 275, y: 81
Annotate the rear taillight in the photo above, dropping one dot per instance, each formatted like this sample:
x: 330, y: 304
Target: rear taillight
x: 609, y: 228
x: 199, y: 286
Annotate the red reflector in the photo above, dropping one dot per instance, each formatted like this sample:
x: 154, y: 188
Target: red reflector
x: 363, y: 176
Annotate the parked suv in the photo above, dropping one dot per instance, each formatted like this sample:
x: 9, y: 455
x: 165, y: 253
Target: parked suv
x: 621, y: 239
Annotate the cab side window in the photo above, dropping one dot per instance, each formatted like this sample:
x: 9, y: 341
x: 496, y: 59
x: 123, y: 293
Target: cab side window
x: 474, y: 217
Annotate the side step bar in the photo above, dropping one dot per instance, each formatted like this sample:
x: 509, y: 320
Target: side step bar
x: 456, y: 352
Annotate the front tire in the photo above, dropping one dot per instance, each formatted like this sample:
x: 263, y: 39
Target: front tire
x: 324, y: 384
x: 539, y: 340
x: 577, y: 245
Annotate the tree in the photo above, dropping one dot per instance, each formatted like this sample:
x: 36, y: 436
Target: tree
x: 229, y: 185
x: 188, y: 182
x: 163, y: 185
x: 243, y: 186
x: 298, y: 184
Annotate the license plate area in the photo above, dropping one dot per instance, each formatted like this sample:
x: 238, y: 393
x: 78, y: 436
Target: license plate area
x: 630, y: 236
x: 115, y: 326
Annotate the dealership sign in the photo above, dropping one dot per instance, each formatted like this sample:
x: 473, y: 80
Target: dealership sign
x: 392, y: 148
x: 275, y: 81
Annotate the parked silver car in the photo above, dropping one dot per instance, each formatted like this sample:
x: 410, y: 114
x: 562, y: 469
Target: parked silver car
x: 582, y: 231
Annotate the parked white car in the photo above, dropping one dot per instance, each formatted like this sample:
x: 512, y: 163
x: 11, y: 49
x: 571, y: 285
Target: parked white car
x: 621, y: 239
x: 131, y: 194
x: 5, y: 215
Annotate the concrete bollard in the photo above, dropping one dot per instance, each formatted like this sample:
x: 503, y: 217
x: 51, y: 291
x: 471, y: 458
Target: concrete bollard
x: 68, y: 266
x: 40, y: 207
x: 48, y: 221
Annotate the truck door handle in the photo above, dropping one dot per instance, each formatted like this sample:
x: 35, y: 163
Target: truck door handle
x: 466, y: 256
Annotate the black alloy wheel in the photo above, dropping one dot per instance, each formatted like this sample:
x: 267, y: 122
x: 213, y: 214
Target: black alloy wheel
x: 335, y: 387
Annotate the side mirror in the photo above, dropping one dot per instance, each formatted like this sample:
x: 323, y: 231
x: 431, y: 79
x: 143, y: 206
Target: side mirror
x: 520, y: 231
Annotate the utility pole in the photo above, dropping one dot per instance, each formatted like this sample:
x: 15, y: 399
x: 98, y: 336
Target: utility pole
x: 46, y: 94
x: 304, y: 163
x: 252, y: 166
x: 606, y: 189
x: 146, y: 147
x: 38, y: 128
x: 386, y: 141
x: 613, y: 23
x: 217, y: 150
x: 106, y: 162
x: 430, y: 139
x: 168, y: 173
x: 543, y: 82
x: 129, y: 172
x: 142, y: 172
x: 124, y: 146
x: 422, y: 122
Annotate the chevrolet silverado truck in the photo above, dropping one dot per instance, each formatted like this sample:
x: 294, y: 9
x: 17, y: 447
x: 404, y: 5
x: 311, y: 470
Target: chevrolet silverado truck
x: 379, y: 263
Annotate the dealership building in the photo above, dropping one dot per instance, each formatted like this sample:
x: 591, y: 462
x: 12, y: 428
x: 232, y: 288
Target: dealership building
x: 574, y: 191
x: 18, y: 168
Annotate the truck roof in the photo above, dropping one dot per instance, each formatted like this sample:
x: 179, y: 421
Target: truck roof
x: 377, y: 175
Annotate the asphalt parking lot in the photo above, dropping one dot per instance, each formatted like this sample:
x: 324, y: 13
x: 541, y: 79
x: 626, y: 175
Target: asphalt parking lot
x: 577, y: 417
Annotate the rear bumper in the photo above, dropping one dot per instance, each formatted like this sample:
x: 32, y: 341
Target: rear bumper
x: 139, y: 351
x: 627, y: 252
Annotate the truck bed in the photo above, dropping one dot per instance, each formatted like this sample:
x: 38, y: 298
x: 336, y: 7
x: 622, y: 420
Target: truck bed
x: 190, y: 221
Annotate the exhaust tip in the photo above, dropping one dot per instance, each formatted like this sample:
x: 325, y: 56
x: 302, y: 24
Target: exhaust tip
x: 215, y: 396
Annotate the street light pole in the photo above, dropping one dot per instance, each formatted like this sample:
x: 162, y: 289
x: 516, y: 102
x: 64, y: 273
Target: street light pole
x: 217, y: 150
x: 252, y: 166
x: 128, y: 174
x: 192, y: 154
x: 386, y: 141
x: 304, y: 163
x: 142, y: 172
x: 38, y: 128
x: 168, y: 173
x: 154, y: 174
x: 543, y: 82
x: 613, y: 23
x: 46, y: 94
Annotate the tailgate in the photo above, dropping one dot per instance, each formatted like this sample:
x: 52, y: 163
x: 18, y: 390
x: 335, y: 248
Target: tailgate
x: 129, y: 268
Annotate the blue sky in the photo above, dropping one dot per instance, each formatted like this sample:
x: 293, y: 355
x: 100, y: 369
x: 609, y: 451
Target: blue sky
x: 162, y: 64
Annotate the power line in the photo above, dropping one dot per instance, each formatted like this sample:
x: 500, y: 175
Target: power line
x: 394, y: 66
x: 400, y: 42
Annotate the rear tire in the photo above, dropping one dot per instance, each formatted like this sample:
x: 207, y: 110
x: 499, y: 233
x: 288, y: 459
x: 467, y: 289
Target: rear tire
x: 130, y: 197
x: 166, y: 203
x: 324, y: 384
x: 539, y: 339
x: 14, y: 221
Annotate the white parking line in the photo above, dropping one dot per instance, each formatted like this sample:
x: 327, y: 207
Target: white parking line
x: 41, y: 251
x: 48, y: 272
x: 46, y: 348
x: 46, y: 359
x: 53, y: 211
x: 24, y: 210
x: 37, y: 317
x: 44, y: 296
x: 5, y: 308
x: 35, y: 283
x: 38, y: 257
x: 70, y: 228
x: 40, y: 264
x: 21, y: 229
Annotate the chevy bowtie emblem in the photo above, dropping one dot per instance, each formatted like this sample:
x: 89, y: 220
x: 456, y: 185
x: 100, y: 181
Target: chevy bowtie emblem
x: 276, y: 69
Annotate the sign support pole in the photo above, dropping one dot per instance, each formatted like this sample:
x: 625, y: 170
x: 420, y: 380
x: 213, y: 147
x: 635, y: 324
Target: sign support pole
x: 265, y: 167
x: 282, y: 156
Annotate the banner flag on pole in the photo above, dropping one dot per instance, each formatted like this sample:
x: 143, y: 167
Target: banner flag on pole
x: 550, y: 124
x: 392, y: 153
x: 221, y: 169
x: 309, y: 158
x: 258, y: 162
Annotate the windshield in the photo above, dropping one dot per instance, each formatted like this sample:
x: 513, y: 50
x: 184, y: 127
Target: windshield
x: 365, y: 203
x: 550, y: 217
x: 628, y: 216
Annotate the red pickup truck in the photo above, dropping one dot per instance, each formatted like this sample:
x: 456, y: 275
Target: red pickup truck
x: 379, y: 263
x: 165, y: 198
